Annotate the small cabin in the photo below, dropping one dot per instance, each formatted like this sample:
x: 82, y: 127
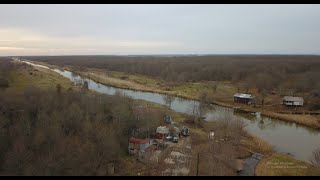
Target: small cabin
x: 292, y: 101
x: 243, y: 98
x: 137, y: 144
x: 162, y: 132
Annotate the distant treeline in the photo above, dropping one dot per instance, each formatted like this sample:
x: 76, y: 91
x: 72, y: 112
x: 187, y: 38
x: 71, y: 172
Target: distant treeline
x: 298, y: 73
x: 5, y: 68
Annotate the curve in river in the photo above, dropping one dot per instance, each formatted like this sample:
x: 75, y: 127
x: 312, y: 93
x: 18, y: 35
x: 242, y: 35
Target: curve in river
x: 285, y: 137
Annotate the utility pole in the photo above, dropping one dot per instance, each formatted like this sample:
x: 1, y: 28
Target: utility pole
x: 198, y: 165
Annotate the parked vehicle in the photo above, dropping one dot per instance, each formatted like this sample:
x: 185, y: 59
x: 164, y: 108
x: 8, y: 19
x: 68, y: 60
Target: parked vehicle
x: 175, y: 139
x: 185, y: 131
x: 168, y: 119
x: 169, y: 138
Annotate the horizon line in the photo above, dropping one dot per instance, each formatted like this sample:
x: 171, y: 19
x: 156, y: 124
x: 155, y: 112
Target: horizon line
x: 191, y: 54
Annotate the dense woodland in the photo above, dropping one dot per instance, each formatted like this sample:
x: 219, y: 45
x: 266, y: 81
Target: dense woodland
x: 294, y: 73
x: 71, y: 132
x: 64, y: 132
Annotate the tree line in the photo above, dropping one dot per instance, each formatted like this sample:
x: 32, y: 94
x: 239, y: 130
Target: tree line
x: 296, y: 72
x: 5, y: 68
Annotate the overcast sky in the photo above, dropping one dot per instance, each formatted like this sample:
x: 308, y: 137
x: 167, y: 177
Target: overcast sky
x: 159, y: 29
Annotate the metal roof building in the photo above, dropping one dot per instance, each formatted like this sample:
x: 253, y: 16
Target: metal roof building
x: 243, y: 98
x: 292, y: 101
x: 241, y: 95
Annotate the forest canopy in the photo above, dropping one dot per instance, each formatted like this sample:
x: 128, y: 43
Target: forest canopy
x: 299, y: 72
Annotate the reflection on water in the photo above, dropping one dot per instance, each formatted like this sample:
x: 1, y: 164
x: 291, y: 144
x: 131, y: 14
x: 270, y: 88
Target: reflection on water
x: 286, y: 137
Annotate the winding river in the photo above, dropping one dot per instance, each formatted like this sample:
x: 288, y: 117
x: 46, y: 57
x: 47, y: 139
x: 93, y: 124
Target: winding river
x: 297, y: 140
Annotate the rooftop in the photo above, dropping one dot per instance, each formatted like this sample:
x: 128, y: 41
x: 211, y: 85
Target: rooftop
x: 241, y: 95
x: 292, y: 98
x: 138, y: 140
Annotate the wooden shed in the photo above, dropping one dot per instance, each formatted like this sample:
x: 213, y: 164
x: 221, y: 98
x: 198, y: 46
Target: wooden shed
x: 243, y: 98
x: 137, y: 144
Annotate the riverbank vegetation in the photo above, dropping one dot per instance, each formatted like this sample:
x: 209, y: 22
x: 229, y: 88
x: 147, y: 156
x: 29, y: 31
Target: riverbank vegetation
x: 289, y: 75
x: 19, y: 76
x: 216, y: 155
x: 57, y: 130
x: 73, y: 131
x: 262, y: 72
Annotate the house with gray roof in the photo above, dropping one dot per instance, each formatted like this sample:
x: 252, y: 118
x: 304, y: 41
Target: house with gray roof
x: 292, y: 101
x: 243, y: 98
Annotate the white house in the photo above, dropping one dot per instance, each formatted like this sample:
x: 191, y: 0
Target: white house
x: 292, y: 101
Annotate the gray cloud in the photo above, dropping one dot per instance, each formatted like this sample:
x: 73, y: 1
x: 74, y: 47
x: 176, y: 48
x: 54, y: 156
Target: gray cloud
x: 159, y: 29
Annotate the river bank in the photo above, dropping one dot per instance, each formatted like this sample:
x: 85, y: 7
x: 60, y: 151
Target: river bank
x: 67, y: 75
x: 312, y: 121
x: 198, y: 135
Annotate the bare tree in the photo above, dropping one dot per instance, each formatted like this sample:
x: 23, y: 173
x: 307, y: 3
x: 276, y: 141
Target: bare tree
x: 4, y: 83
x: 316, y: 157
x: 263, y: 96
x: 58, y: 87
x: 280, y: 69
x: 203, y: 100
x: 85, y: 85
x: 222, y: 150
x: 168, y: 99
x: 49, y: 134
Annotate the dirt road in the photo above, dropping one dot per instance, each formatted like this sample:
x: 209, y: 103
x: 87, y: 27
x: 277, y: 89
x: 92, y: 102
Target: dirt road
x: 178, y: 162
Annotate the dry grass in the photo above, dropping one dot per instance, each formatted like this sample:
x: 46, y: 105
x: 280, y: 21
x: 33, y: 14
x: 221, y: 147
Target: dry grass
x: 255, y: 144
x: 143, y: 83
x: 201, y: 146
x: 177, y: 117
x: 308, y: 120
x: 27, y: 76
x: 222, y: 96
x: 134, y: 82
x: 285, y: 165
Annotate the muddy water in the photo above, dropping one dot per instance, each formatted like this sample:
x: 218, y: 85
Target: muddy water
x: 250, y: 164
x: 286, y: 137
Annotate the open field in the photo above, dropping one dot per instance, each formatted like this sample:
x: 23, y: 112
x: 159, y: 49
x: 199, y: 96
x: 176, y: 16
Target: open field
x: 27, y: 76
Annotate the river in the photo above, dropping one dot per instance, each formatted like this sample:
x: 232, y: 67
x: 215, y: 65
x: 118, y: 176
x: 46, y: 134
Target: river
x: 287, y: 137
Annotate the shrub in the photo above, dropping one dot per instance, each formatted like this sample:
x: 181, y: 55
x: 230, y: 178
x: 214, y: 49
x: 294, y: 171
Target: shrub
x: 4, y: 83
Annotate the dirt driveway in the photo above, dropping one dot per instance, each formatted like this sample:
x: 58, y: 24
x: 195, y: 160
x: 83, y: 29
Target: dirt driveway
x: 178, y: 161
